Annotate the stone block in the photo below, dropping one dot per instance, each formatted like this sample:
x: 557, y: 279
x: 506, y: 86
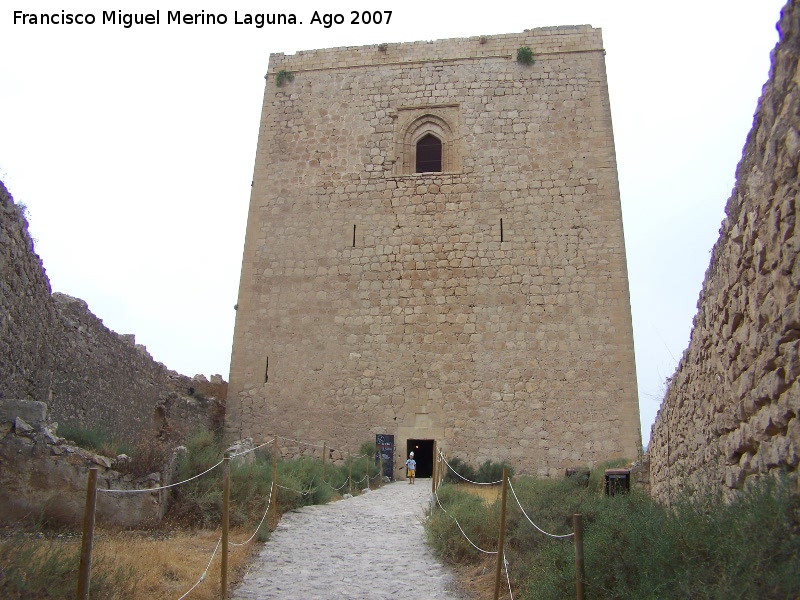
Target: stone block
x: 31, y: 411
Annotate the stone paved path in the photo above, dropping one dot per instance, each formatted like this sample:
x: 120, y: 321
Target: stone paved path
x: 368, y: 547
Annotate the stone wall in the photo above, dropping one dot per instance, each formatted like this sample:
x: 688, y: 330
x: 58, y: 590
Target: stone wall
x: 28, y: 320
x: 54, y: 350
x: 485, y: 306
x: 43, y: 477
x: 732, y: 407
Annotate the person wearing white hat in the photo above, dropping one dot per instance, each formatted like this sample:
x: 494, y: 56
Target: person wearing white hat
x: 411, y: 465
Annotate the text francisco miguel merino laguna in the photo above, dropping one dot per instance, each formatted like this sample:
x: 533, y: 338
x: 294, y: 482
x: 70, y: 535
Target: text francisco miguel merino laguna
x: 176, y: 17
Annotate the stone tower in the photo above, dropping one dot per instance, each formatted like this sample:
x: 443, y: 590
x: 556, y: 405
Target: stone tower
x: 435, y: 251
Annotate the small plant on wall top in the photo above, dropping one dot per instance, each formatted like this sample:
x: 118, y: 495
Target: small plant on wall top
x: 525, y: 56
x: 283, y: 76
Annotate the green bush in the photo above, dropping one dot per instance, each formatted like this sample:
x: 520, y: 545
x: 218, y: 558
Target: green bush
x: 479, y: 522
x: 525, y: 56
x: 465, y: 470
x: 703, y: 547
x: 302, y: 482
x: 283, y: 76
x: 94, y: 440
x: 490, y: 471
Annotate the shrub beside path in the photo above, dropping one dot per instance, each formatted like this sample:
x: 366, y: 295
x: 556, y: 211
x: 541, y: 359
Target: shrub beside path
x: 371, y: 546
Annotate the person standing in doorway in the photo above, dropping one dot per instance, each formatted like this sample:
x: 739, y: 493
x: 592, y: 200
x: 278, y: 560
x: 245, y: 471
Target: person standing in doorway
x: 411, y: 465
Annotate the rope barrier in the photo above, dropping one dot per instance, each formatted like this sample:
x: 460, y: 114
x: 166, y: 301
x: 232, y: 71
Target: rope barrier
x: 251, y: 449
x: 203, y: 576
x: 248, y: 540
x: 508, y: 577
x: 316, y: 446
x: 333, y: 488
x: 466, y: 537
x: 464, y: 478
x: 162, y: 487
x: 283, y: 487
x: 269, y: 499
x: 300, y: 442
x: 529, y: 519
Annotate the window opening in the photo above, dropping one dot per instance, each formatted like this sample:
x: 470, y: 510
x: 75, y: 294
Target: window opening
x: 429, y: 154
x: 354, y: 236
x: 266, y: 371
x: 501, y: 230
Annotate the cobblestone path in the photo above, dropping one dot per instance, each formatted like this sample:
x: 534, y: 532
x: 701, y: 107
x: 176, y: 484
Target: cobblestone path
x: 368, y: 547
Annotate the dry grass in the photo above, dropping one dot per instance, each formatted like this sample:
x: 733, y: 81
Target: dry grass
x: 489, y: 493
x: 168, y: 566
x: 125, y: 565
x: 477, y: 581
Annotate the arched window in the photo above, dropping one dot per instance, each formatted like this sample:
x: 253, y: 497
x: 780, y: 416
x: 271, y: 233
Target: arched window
x: 426, y: 141
x: 429, y: 154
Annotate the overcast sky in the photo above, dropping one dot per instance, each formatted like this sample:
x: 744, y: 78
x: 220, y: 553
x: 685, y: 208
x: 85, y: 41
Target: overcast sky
x: 133, y: 148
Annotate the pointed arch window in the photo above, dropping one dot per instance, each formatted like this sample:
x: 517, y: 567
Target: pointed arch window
x: 426, y: 142
x: 429, y: 154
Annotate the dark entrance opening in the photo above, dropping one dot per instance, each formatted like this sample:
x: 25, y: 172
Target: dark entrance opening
x: 423, y: 454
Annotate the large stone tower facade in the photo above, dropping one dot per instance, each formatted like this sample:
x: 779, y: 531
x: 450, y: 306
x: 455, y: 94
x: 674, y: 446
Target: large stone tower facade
x: 435, y: 251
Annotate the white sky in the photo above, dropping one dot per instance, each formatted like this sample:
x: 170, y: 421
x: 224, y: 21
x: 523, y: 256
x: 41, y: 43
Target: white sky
x: 133, y: 148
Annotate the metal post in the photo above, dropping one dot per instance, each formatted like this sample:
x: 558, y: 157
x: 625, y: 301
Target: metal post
x: 85, y: 567
x: 501, y: 538
x: 349, y: 473
x: 274, y: 479
x: 226, y: 496
x: 366, y: 468
x: 577, y: 524
x: 324, y: 454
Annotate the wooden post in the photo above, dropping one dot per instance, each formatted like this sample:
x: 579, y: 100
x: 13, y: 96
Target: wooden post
x: 85, y: 567
x: 324, y: 454
x: 433, y: 474
x: 349, y: 473
x: 501, y: 539
x: 577, y: 524
x: 274, y: 507
x: 226, y: 496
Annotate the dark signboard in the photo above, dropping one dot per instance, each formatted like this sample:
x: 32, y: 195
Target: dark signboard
x: 385, y: 444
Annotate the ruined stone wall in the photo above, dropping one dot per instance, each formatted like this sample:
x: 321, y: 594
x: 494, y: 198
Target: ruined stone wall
x: 43, y: 477
x: 54, y: 350
x: 732, y: 407
x: 107, y: 379
x: 28, y: 321
x: 485, y: 306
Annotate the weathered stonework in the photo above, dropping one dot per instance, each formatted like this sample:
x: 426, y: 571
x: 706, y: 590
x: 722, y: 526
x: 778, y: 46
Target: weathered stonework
x: 485, y: 306
x: 43, y: 477
x: 732, y: 409
x: 54, y: 350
